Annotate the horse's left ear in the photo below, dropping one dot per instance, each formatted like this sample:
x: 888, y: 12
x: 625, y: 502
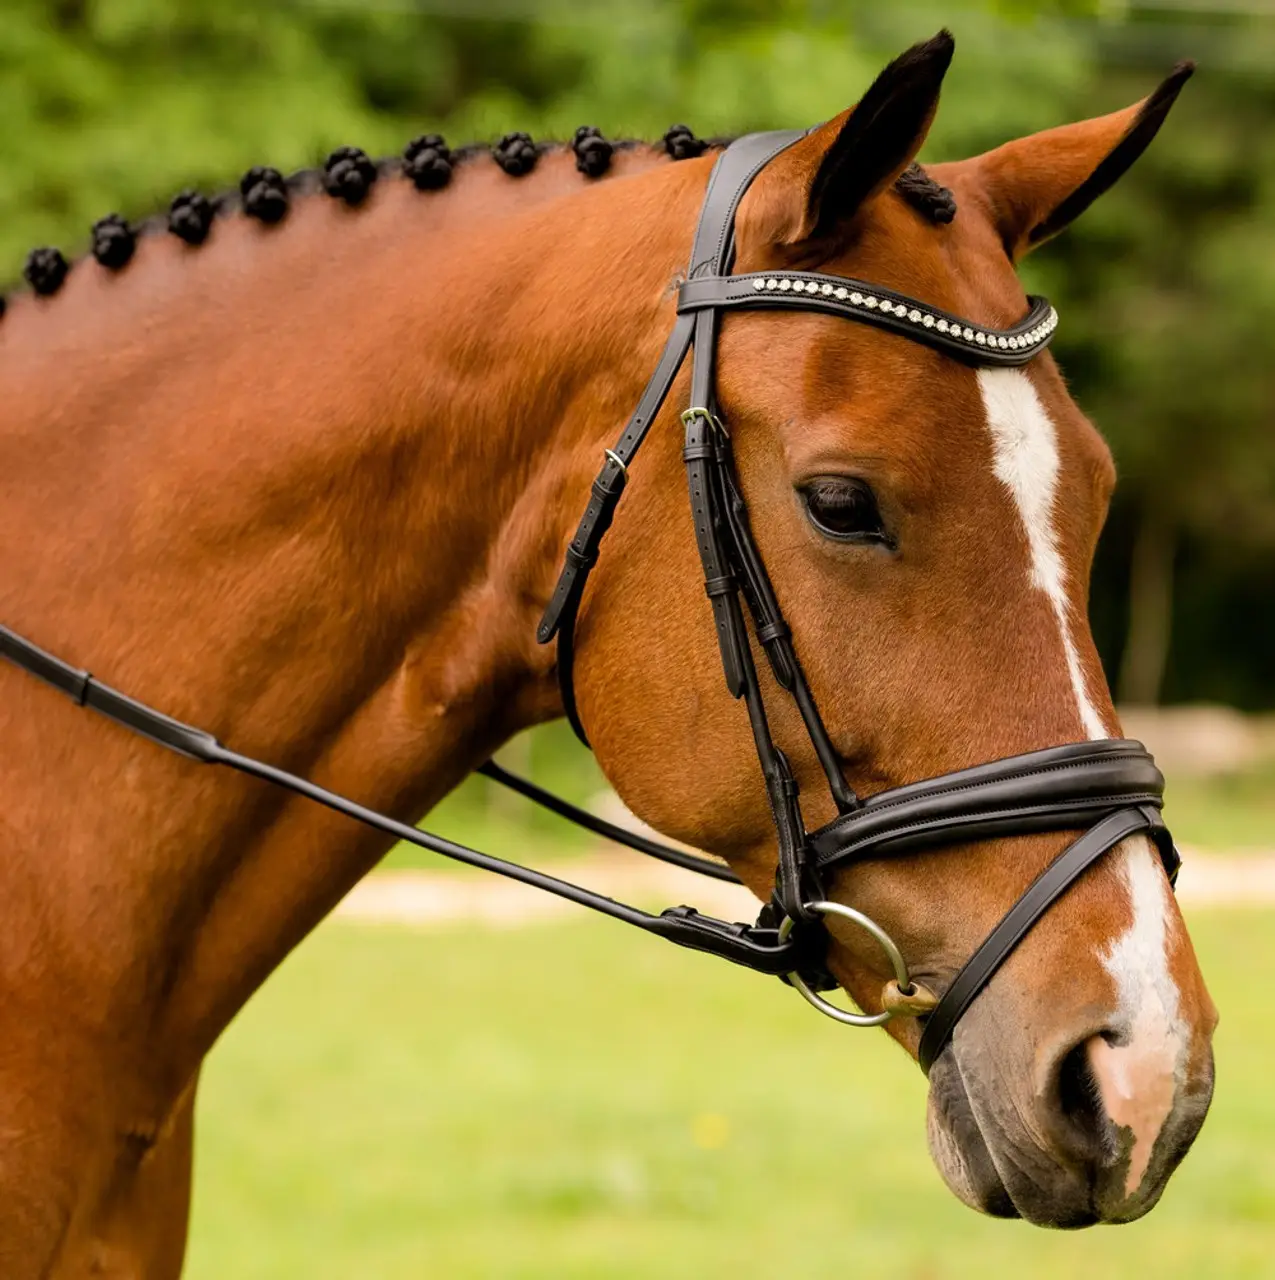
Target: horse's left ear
x: 1035, y: 186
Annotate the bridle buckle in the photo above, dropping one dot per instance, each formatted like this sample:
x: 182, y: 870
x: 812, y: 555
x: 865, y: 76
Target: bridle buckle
x: 696, y: 412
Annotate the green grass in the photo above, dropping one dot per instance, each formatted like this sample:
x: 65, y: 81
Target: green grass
x: 575, y: 1100
x: 1231, y: 812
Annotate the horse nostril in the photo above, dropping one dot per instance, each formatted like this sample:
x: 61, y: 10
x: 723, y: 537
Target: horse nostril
x: 1079, y: 1103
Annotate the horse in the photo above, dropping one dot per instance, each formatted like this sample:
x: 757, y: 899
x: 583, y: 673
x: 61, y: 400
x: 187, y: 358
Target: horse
x: 298, y: 465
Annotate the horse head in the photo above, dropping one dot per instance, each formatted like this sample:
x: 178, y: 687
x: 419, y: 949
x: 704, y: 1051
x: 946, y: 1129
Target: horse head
x: 929, y: 527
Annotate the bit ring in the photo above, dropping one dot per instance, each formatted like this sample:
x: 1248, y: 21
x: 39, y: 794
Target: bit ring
x: 895, y: 956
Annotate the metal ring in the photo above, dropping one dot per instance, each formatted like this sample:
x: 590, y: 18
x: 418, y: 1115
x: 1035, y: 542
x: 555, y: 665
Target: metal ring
x: 619, y: 461
x: 897, y: 963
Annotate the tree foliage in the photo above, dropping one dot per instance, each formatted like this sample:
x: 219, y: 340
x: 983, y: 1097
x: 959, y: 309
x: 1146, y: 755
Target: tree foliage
x: 1166, y: 287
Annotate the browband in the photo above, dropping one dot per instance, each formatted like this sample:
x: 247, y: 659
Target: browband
x: 871, y: 304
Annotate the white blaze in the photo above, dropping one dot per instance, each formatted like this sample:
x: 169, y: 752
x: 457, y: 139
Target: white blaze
x: 1026, y: 462
x: 1138, y: 1075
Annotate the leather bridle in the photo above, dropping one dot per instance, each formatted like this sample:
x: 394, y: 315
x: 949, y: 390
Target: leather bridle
x: 1110, y: 787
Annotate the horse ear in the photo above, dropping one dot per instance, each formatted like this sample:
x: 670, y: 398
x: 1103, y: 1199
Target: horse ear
x: 1037, y: 185
x: 823, y: 180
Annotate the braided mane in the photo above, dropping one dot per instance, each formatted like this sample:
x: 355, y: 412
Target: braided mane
x: 349, y: 174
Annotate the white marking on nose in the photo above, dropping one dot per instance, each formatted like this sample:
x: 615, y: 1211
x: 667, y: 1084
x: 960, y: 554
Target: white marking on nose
x: 1138, y: 1076
x: 1026, y: 462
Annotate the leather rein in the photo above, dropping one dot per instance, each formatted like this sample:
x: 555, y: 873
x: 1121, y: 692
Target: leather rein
x: 1110, y: 787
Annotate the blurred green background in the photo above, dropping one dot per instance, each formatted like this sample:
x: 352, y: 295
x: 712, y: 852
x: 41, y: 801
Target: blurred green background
x: 573, y: 1101
x: 1166, y: 287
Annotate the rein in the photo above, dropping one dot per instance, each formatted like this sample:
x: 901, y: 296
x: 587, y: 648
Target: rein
x: 1111, y: 788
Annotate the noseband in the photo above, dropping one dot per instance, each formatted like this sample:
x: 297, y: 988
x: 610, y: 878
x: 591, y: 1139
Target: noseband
x: 1110, y: 788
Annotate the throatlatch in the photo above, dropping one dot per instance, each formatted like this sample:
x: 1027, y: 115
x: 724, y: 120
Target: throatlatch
x: 1111, y: 787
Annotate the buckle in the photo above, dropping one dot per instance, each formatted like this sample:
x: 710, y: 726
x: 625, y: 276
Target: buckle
x: 697, y: 412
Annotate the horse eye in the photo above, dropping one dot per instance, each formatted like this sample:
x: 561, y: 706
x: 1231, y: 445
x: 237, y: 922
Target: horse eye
x: 844, y: 508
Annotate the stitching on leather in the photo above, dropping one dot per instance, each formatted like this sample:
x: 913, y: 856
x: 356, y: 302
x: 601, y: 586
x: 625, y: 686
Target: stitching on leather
x: 940, y: 823
x: 728, y: 222
x: 987, y: 782
x: 1111, y: 803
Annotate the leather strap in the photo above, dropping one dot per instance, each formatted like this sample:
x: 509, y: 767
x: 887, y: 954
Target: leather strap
x: 1049, y: 790
x: 711, y: 247
x: 720, y: 584
x: 600, y: 826
x: 774, y: 634
x: 83, y: 689
x: 753, y: 947
x: 729, y: 558
x: 1039, y: 896
x: 711, y: 250
x: 565, y: 660
x: 737, y: 166
x: 582, y: 550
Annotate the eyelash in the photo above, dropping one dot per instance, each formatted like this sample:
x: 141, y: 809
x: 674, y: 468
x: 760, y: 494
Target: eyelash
x: 858, y: 503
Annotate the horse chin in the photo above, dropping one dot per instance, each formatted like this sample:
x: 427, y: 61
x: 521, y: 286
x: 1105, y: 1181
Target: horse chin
x: 957, y: 1146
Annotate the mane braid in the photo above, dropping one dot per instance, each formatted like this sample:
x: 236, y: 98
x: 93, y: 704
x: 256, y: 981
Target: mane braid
x: 593, y: 151
x: 348, y: 174
x: 925, y: 195
x: 264, y: 194
x: 113, y: 241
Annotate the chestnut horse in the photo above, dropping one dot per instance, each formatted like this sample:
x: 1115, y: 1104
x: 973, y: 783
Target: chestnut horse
x: 302, y: 474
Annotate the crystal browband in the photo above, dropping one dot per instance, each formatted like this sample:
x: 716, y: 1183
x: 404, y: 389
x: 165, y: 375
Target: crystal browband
x: 856, y: 299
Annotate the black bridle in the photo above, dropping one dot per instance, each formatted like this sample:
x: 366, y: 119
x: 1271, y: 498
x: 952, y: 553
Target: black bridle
x: 1111, y: 786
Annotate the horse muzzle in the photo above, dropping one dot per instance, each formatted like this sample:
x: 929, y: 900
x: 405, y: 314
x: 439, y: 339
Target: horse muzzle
x: 1071, y: 1126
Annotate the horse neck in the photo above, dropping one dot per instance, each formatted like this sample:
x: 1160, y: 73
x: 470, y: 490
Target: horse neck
x: 296, y: 476
x: 325, y: 508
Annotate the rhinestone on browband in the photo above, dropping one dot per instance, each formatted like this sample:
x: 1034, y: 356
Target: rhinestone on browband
x: 916, y: 315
